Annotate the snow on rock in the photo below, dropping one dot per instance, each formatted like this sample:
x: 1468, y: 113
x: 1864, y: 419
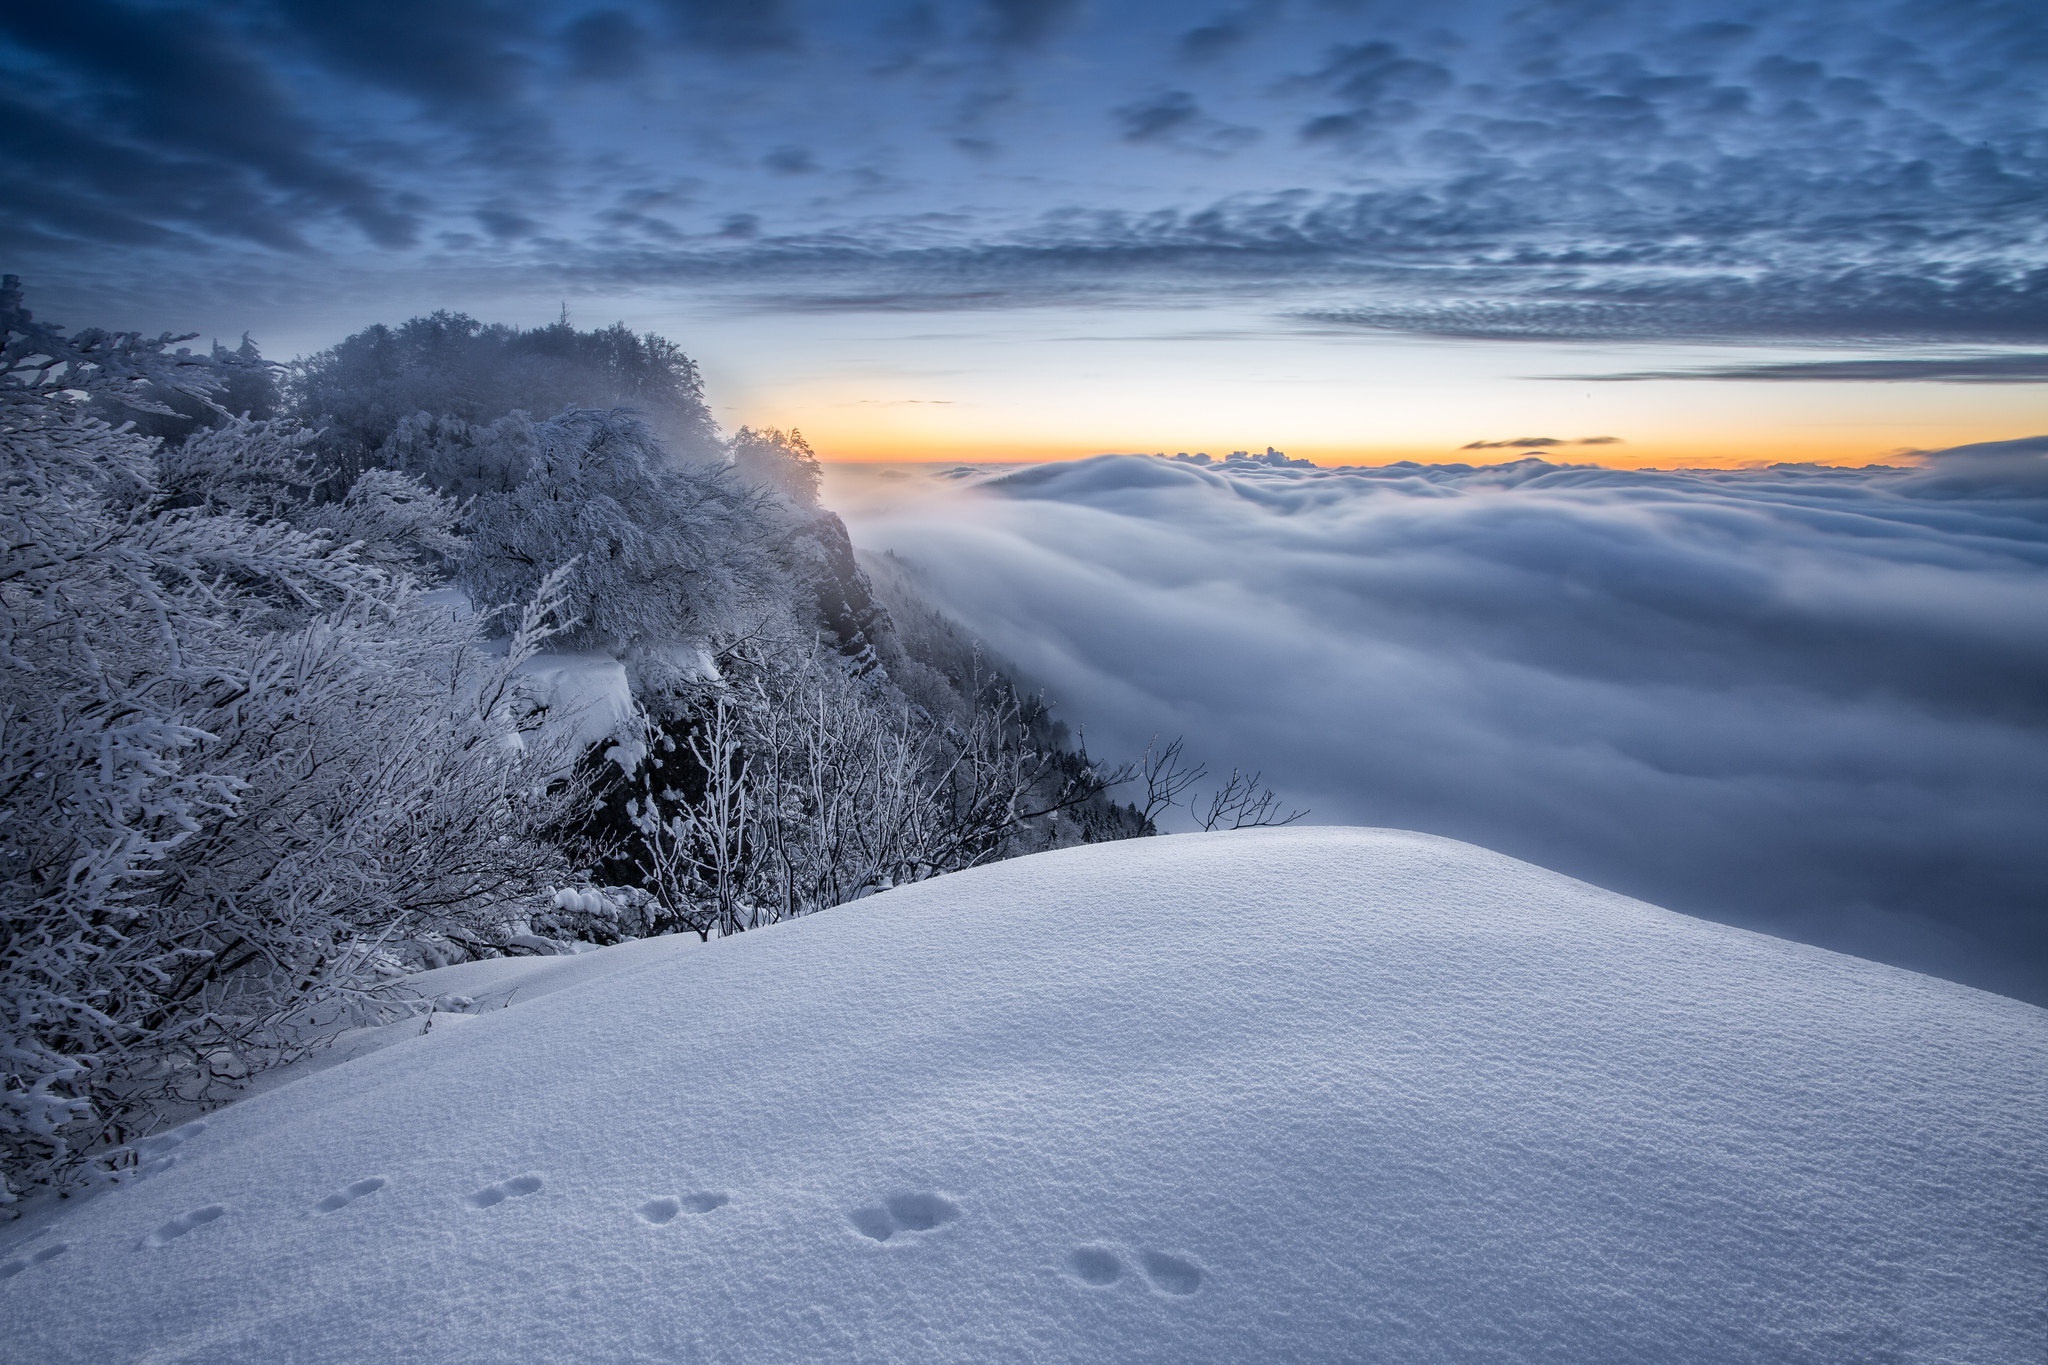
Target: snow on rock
x: 1302, y: 1094
x: 586, y: 698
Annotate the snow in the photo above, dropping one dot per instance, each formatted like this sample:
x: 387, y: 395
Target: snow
x: 586, y: 696
x: 499, y: 982
x: 469, y: 989
x: 1301, y: 1094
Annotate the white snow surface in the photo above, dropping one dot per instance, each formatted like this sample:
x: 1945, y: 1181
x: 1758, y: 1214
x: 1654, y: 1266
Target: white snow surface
x: 1301, y: 1094
x: 587, y: 696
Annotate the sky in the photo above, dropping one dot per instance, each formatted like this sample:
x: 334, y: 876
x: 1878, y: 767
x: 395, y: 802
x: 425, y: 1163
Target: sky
x: 1625, y: 233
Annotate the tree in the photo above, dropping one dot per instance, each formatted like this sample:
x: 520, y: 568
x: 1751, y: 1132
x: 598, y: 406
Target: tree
x: 782, y: 461
x: 241, y: 757
x: 666, y: 554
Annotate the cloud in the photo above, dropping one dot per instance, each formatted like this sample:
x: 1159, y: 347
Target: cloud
x: 505, y: 223
x: 165, y: 117
x: 790, y: 161
x: 1541, y: 443
x: 735, y: 28
x: 1976, y: 301
x: 1025, y: 23
x: 1965, y: 369
x: 456, y: 56
x: 1172, y: 118
x: 1223, y: 35
x: 1810, y: 701
x: 1546, y: 171
x: 606, y: 45
x: 1378, y: 86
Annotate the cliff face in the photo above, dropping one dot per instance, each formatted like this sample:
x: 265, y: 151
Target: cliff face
x: 822, y: 561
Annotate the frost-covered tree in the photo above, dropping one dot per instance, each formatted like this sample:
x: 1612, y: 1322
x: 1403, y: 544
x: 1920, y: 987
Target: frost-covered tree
x: 783, y: 461
x: 240, y: 756
x: 795, y: 782
x: 359, y: 391
x: 667, y: 554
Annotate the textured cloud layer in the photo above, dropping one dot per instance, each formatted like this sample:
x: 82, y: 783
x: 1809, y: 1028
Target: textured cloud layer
x: 1809, y: 701
x: 1812, y: 169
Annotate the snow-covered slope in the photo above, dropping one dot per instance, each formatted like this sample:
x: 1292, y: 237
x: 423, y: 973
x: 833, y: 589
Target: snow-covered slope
x: 1308, y: 1094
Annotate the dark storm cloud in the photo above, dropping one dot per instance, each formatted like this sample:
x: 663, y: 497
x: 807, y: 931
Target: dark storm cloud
x: 1965, y: 369
x: 1810, y: 701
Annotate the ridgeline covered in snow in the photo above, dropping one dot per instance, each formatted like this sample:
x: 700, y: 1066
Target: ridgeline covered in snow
x: 1308, y: 1094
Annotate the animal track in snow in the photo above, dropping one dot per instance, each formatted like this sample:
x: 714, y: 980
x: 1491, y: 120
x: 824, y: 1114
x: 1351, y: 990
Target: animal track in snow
x: 1171, y: 1274
x: 665, y: 1208
x: 1098, y: 1266
x: 660, y: 1210
x: 182, y: 1224
x: 10, y: 1269
x: 491, y: 1195
x: 910, y: 1212
x: 348, y: 1194
x: 163, y: 1144
x: 158, y: 1153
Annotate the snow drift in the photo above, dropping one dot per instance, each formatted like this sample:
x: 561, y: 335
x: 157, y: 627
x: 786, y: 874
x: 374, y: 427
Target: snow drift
x: 1307, y: 1094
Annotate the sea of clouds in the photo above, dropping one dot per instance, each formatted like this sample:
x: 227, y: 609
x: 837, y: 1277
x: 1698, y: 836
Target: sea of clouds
x: 1808, y: 701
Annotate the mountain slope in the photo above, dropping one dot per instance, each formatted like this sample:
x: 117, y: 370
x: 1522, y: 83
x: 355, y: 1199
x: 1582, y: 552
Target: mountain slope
x: 1313, y: 1094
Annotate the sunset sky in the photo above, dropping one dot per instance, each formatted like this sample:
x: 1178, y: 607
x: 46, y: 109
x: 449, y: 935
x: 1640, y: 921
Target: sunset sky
x: 1029, y: 229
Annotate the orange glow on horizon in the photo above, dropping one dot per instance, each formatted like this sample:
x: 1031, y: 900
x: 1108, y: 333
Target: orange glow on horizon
x: 1644, y: 455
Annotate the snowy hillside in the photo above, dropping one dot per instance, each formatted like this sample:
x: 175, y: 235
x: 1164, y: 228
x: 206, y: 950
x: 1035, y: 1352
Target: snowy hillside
x: 1306, y: 1094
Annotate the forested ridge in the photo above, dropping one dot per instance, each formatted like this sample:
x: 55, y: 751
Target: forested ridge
x: 452, y: 640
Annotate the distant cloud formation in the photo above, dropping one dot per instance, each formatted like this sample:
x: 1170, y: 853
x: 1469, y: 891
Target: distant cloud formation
x: 1809, y: 701
x: 1541, y: 443
x: 1971, y: 369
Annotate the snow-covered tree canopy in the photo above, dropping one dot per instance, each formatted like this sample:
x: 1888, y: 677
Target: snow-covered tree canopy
x: 452, y: 366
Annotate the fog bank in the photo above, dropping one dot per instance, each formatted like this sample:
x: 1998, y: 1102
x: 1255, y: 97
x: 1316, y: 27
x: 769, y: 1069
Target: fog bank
x: 1808, y: 701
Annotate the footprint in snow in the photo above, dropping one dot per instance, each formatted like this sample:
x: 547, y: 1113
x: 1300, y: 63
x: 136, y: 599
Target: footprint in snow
x: 491, y: 1195
x: 665, y: 1208
x: 1099, y: 1267
x: 912, y: 1212
x: 163, y: 1144
x: 1174, y: 1275
x: 348, y: 1194
x: 159, y: 1153
x: 182, y: 1224
x: 9, y: 1269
